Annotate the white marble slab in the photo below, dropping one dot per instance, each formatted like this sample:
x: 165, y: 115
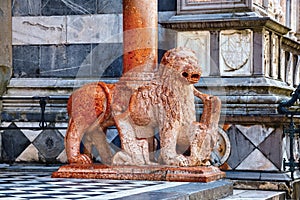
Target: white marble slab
x: 39, y: 30
x: 236, y: 52
x: 257, y: 161
x: 198, y: 41
x: 106, y: 28
x: 70, y: 29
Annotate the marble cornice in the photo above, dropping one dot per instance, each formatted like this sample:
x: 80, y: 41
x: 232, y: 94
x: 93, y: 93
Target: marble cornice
x: 192, y: 22
x: 291, y: 45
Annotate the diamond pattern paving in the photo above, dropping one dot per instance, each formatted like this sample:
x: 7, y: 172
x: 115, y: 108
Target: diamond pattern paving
x: 14, y: 142
x: 241, y: 147
x: 50, y: 144
x: 256, y: 160
x: 272, y: 147
x: 256, y: 134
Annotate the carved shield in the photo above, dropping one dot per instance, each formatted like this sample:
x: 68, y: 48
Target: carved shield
x: 236, y: 49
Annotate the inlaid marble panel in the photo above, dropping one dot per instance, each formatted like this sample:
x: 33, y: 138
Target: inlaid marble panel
x: 68, y: 7
x: 26, y: 61
x: 257, y: 161
x: 256, y: 147
x: 199, y: 41
x: 13, y: 143
x: 109, y: 6
x: 271, y: 147
x: 236, y: 52
x: 241, y: 147
x: 26, y: 8
x: 39, y: 30
x: 106, y: 28
x: 256, y: 133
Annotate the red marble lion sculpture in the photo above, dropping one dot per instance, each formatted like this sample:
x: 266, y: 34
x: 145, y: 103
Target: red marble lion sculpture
x: 165, y: 104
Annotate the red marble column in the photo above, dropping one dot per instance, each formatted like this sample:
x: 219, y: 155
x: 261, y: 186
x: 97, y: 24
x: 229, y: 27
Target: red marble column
x: 140, y: 34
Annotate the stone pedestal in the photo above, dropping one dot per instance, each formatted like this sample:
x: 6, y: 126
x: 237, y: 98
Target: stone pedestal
x: 149, y: 173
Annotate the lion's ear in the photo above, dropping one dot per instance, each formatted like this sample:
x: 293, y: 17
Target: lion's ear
x: 164, y: 59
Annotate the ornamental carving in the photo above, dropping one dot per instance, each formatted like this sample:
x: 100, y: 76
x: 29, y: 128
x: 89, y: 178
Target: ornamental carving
x: 235, y: 50
x: 212, y: 6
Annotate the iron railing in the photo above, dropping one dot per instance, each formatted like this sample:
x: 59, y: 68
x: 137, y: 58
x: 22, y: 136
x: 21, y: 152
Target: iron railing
x: 291, y: 109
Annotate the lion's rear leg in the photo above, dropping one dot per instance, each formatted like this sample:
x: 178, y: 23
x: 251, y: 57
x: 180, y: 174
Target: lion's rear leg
x: 97, y: 138
x: 72, y: 144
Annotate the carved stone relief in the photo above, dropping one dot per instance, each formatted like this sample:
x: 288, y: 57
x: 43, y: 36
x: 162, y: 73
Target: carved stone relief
x: 266, y: 46
x: 275, y: 56
x: 296, y: 70
x: 282, y: 64
x: 198, y: 41
x: 258, y: 2
x: 275, y: 9
x: 236, y: 52
x: 212, y: 6
x: 289, y: 68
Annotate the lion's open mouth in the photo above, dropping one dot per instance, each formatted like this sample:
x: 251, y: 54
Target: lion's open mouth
x: 191, y: 78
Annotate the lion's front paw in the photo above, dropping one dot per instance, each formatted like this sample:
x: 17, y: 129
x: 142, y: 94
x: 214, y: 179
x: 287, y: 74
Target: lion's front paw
x: 178, y: 160
x: 81, y: 159
x: 182, y: 161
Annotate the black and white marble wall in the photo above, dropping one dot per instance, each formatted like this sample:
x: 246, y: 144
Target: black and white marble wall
x: 64, y: 38
x: 59, y: 45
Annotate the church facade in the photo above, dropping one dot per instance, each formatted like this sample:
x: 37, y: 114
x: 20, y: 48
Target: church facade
x: 249, y: 51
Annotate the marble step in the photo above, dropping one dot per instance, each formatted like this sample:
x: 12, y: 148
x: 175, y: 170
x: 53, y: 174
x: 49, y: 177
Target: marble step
x: 46, y: 86
x: 255, y: 195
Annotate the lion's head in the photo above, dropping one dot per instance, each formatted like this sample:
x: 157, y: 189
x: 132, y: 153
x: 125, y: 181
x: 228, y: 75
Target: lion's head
x: 184, y: 61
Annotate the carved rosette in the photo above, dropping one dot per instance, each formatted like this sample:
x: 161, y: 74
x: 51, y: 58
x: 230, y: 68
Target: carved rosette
x: 236, y: 52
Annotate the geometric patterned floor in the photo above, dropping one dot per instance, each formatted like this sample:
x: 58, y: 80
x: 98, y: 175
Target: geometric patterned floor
x: 40, y: 185
x: 19, y: 182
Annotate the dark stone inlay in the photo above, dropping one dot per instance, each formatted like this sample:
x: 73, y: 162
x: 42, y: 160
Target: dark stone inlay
x: 26, y: 8
x: 271, y: 147
x: 50, y: 143
x: 167, y: 5
x: 107, y: 60
x: 109, y: 6
x: 14, y: 142
x: 26, y: 61
x: 78, y: 60
x: 241, y: 147
x: 68, y: 7
x: 54, y: 62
